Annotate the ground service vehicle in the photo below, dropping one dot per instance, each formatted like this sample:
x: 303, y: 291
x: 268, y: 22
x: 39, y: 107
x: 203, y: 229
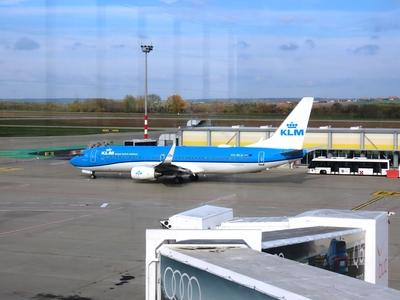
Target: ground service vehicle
x: 337, y: 258
x: 349, y: 166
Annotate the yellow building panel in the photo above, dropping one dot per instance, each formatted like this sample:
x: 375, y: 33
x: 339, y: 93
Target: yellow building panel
x: 398, y: 142
x: 223, y: 138
x: 248, y: 138
x: 316, y: 139
x: 379, y: 141
x: 346, y: 141
x: 194, y: 138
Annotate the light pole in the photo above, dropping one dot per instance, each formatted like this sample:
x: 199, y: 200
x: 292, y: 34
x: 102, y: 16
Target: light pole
x: 146, y: 49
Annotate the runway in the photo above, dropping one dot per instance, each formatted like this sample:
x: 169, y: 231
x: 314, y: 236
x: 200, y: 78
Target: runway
x: 65, y: 235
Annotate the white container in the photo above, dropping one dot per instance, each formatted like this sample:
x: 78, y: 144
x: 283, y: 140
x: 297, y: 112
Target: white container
x: 203, y: 217
x: 262, y: 223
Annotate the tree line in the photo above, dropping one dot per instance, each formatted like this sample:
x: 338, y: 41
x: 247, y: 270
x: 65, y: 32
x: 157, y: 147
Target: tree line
x: 176, y: 104
x: 129, y: 104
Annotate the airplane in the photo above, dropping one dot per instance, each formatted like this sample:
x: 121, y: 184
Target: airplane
x: 154, y: 162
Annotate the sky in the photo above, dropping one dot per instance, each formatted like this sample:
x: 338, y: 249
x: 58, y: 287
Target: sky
x: 202, y: 48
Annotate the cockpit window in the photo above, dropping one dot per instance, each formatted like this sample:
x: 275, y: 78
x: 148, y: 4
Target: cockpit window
x: 82, y: 153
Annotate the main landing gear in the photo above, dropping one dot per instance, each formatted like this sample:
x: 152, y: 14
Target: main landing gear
x: 93, y: 175
x: 178, y: 180
x: 194, y: 177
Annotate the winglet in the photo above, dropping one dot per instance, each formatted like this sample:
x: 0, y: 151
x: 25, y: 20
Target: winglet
x: 170, y: 155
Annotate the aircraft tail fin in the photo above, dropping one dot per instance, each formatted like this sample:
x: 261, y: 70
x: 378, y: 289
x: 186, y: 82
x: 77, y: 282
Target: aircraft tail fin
x: 290, y: 134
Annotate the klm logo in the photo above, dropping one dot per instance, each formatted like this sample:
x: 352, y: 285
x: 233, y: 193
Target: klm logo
x: 292, y: 130
x: 108, y: 151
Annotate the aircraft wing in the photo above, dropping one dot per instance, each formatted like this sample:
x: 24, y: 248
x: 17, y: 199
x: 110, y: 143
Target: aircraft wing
x: 171, y: 170
x: 167, y: 168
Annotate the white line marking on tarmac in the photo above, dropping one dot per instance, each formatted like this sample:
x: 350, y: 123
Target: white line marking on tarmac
x: 104, y: 205
x: 226, y: 197
x: 58, y: 163
x: 5, y: 233
x: 13, y: 186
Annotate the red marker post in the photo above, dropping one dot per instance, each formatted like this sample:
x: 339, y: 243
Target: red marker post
x: 146, y: 49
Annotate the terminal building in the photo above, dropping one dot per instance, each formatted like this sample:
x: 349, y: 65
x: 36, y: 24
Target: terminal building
x: 336, y: 142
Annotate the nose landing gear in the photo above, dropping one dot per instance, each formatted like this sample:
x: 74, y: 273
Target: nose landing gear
x: 90, y: 173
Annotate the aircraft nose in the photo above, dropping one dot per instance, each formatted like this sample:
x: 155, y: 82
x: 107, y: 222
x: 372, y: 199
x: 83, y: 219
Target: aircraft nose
x: 74, y: 161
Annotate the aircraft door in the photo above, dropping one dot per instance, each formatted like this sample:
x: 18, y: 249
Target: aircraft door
x: 261, y: 158
x: 93, y: 156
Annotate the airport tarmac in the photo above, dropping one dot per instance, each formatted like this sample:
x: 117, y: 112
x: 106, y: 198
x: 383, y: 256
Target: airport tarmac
x: 64, y: 235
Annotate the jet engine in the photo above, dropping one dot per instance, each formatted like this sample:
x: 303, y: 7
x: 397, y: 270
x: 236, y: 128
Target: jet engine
x: 143, y: 173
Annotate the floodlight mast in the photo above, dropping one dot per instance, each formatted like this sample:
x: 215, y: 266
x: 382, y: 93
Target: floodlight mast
x: 146, y: 49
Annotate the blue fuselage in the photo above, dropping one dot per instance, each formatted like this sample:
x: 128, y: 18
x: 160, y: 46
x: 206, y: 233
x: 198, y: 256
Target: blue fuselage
x: 203, y: 159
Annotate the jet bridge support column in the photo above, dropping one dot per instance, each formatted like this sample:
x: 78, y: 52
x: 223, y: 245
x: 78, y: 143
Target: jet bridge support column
x: 396, y: 159
x: 209, y: 137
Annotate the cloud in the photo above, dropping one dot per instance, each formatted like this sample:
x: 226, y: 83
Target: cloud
x: 296, y: 19
x: 4, y: 44
x: 386, y: 25
x: 79, y: 45
x: 168, y: 2
x: 243, y: 44
x: 26, y: 44
x: 119, y: 46
x: 142, y: 36
x: 366, y: 50
x: 289, y: 47
x: 310, y: 43
x: 244, y: 56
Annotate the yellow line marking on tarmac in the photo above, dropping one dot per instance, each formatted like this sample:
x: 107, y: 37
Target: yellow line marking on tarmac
x: 9, y: 169
x: 379, y: 195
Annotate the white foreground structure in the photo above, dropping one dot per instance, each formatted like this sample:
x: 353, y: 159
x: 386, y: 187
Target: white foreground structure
x: 364, y: 233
